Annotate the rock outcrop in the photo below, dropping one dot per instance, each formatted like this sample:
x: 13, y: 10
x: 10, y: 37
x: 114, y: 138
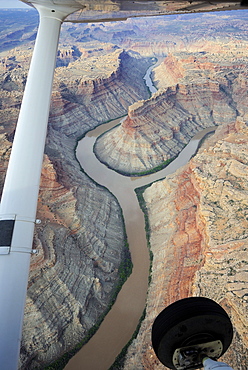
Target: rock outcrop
x: 67, y: 55
x: 198, y: 237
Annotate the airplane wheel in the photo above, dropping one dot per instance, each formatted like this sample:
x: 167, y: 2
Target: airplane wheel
x: 187, y: 322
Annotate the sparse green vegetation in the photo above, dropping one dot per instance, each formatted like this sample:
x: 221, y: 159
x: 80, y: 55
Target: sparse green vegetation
x: 139, y: 192
x: 160, y: 167
x: 231, y: 271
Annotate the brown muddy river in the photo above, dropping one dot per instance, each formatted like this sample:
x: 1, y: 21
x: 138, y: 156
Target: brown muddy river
x: 121, y: 321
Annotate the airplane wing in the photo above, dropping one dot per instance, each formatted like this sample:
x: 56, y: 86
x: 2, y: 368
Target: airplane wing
x: 110, y: 10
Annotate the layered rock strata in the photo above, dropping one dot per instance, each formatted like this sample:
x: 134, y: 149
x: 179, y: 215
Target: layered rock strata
x: 198, y: 236
x: 212, y: 60
x: 196, y: 90
x: 81, y: 245
x: 81, y: 240
x: 97, y: 89
x: 157, y: 129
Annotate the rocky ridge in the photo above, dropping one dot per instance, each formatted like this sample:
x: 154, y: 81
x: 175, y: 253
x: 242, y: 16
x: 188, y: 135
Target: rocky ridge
x: 18, y: 26
x: 157, y: 36
x: 211, y: 60
x: 198, y: 237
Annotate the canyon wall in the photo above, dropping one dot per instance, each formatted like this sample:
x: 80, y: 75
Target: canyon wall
x: 195, y: 90
x: 81, y: 239
x: 198, y: 237
x: 96, y: 89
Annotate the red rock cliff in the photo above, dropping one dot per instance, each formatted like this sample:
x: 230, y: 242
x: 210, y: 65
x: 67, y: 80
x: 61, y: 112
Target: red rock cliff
x: 198, y: 235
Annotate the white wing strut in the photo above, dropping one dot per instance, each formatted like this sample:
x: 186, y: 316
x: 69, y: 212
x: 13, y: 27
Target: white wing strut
x: 20, y: 194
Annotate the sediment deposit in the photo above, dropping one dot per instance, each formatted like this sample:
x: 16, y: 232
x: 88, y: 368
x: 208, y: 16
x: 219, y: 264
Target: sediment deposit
x: 198, y: 236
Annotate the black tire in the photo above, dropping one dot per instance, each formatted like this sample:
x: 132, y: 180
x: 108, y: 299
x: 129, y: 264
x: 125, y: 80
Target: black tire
x: 189, y: 321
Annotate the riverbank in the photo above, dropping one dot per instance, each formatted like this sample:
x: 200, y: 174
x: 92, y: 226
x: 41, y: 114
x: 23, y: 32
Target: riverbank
x: 120, y: 323
x: 133, y: 174
x: 131, y: 299
x: 123, y: 188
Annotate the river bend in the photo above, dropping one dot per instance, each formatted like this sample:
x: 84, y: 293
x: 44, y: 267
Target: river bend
x: 121, y: 321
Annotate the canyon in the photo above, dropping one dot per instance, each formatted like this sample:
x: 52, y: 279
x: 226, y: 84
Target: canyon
x: 197, y: 217
x: 197, y: 224
x: 194, y: 89
x: 198, y: 239
x: 81, y: 242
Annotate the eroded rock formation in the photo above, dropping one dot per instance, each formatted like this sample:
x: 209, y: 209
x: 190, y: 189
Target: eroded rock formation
x: 157, y: 129
x: 198, y: 236
x: 81, y: 240
x: 80, y: 248
x: 196, y: 90
x: 97, y: 89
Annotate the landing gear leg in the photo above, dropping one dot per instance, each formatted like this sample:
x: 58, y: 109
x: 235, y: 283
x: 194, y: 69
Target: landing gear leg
x: 210, y: 364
